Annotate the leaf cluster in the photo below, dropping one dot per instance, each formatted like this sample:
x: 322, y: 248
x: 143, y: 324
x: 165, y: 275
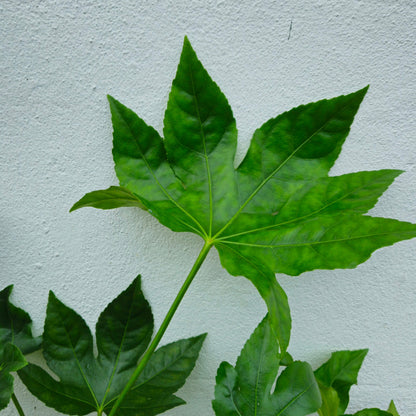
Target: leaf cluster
x: 278, y: 211
x: 16, y: 340
x: 88, y: 383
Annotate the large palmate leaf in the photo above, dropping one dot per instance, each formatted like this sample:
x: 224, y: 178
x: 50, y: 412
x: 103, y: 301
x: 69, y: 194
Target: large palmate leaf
x: 246, y: 390
x: 335, y: 378
x: 16, y: 339
x: 88, y: 383
x: 278, y: 211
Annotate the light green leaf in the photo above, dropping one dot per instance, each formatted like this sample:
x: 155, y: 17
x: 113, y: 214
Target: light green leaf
x: 113, y: 197
x: 278, y: 211
x: 88, y: 383
x: 340, y: 372
x: 246, y: 390
x: 392, y: 409
x: 330, y: 401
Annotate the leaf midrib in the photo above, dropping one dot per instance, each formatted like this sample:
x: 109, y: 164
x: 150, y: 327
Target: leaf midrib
x: 259, y: 187
x: 340, y: 240
x: 137, y: 386
x: 76, y: 399
x: 296, y: 398
x: 349, y: 364
x: 107, y: 390
x: 205, y: 152
x: 79, y: 364
x: 157, y: 181
x: 294, y: 220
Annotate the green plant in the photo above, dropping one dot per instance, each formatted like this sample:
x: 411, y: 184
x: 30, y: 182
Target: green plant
x: 92, y: 384
x: 245, y: 390
x: 16, y: 339
x: 335, y: 378
x: 278, y: 211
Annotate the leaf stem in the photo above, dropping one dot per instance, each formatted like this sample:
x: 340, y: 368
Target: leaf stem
x: 150, y: 350
x: 17, y: 404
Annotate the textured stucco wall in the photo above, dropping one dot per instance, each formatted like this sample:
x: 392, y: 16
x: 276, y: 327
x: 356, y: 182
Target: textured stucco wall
x: 59, y: 59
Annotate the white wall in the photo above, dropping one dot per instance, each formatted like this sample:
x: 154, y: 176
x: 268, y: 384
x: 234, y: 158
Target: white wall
x: 58, y: 61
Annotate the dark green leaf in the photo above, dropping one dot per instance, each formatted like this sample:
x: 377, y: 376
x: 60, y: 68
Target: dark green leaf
x: 246, y: 389
x: 113, y: 197
x: 6, y: 388
x: 16, y: 339
x: 16, y: 325
x: 164, y: 374
x: 147, y: 406
x: 340, y: 373
x: 278, y: 211
x: 11, y: 359
x: 64, y: 398
x: 87, y: 383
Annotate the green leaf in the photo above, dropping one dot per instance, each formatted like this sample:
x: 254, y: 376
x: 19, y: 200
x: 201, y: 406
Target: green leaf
x: 16, y: 325
x: 371, y: 412
x: 392, y: 409
x: 88, y: 383
x: 16, y: 339
x: 113, y: 197
x: 278, y: 211
x: 11, y: 359
x: 338, y: 374
x: 164, y: 374
x: 247, y: 389
x: 330, y: 401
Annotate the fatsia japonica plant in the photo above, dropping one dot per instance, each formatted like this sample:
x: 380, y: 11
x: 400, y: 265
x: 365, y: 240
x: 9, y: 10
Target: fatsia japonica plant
x: 278, y: 211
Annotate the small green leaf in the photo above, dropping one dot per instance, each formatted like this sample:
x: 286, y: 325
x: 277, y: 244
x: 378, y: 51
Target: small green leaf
x: 279, y: 211
x: 113, y: 197
x: 339, y: 373
x: 392, y: 409
x: 88, y: 383
x: 246, y: 389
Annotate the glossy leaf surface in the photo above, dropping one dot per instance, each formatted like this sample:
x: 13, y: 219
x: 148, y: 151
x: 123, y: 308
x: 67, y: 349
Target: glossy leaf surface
x: 246, y: 389
x: 278, y: 211
x: 16, y: 339
x: 88, y: 383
